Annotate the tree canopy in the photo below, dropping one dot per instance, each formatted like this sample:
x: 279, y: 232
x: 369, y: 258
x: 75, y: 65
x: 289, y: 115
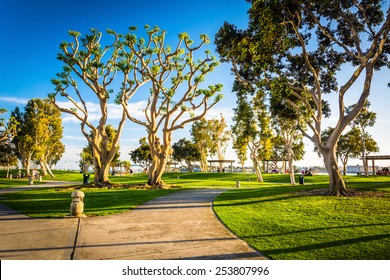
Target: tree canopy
x: 39, y: 134
x: 186, y: 151
x: 89, y: 71
x: 7, y: 128
x: 252, y: 124
x: 175, y: 98
x: 141, y: 155
x: 171, y: 77
x: 303, y: 45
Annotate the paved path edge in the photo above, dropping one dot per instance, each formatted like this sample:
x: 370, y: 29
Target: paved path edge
x: 227, y: 228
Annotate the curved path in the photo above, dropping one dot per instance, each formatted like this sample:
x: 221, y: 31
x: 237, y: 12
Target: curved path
x: 181, y: 225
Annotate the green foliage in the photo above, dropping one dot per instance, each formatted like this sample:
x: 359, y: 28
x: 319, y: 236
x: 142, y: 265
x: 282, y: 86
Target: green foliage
x: 364, y: 119
x: 297, y: 48
x: 8, y: 156
x: 211, y: 137
x: 9, y: 128
x: 40, y: 133
x: 252, y: 123
x: 186, y: 151
x: 86, y: 158
x: 350, y: 144
x: 202, y: 139
x: 141, y: 155
x: 220, y: 135
x: 139, y: 61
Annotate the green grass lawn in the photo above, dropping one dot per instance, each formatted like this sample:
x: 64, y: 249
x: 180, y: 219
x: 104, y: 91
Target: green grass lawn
x: 10, y: 183
x: 55, y: 202
x: 280, y: 220
x: 284, y: 223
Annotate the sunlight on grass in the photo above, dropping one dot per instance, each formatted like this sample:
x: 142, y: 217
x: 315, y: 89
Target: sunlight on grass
x: 280, y: 220
x: 289, y: 225
x: 55, y: 202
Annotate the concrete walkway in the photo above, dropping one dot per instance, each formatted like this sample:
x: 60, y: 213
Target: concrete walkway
x: 181, y: 225
x: 23, y: 238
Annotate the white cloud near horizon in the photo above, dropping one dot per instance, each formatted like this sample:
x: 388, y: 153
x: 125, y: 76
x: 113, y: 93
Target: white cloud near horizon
x: 22, y: 101
x: 136, y: 110
x: 129, y: 140
x: 79, y: 138
x: 114, y: 111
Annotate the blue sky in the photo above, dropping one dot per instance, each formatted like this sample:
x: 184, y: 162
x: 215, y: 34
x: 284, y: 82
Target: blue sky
x: 31, y: 32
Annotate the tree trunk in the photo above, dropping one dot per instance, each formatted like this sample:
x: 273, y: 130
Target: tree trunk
x: 290, y: 157
x: 160, y: 155
x: 48, y: 168
x: 337, y: 185
x: 365, y: 165
x: 221, y: 164
x: 101, y: 169
x: 291, y: 172
x: 43, y: 168
x: 203, y: 161
x: 256, y: 165
x: 256, y: 162
x: 26, y: 165
x: 344, y: 162
x: 101, y: 174
x: 190, y: 167
x: 155, y: 173
x: 156, y: 170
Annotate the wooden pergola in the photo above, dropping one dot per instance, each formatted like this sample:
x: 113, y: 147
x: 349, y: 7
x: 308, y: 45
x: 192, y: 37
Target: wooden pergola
x: 373, y: 158
x: 169, y: 165
x: 231, y: 161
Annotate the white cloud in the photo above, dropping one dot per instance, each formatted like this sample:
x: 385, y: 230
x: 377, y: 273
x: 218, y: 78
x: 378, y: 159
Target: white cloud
x: 94, y: 114
x: 227, y: 113
x: 79, y: 138
x: 22, y: 101
x: 129, y: 140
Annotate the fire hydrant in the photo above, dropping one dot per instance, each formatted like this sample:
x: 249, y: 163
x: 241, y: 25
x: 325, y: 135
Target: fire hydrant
x: 77, y: 205
x: 237, y: 184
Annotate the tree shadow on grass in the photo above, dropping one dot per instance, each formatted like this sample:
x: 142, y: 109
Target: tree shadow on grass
x: 261, y: 195
x: 258, y: 201
x: 315, y: 230
x: 326, y: 245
